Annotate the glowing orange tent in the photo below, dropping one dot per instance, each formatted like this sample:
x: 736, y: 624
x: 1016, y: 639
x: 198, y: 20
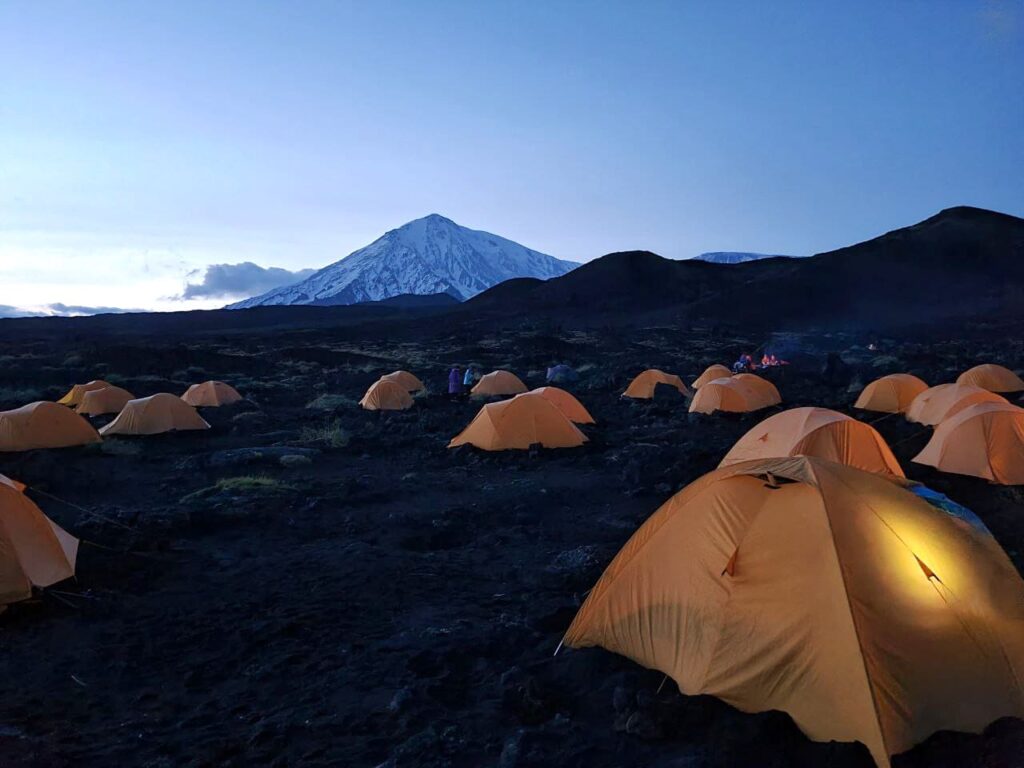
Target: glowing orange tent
x: 816, y: 432
x: 739, y: 394
x: 940, y: 402
x: 110, y: 399
x: 74, y: 395
x: 712, y: 372
x: 565, y: 402
x: 497, y: 384
x: 823, y: 591
x: 43, y: 425
x: 406, y: 380
x: 211, y: 394
x: 984, y: 440
x: 519, y: 423
x: 5, y: 480
x: 994, y: 378
x: 386, y: 395
x: 34, y: 551
x: 890, y: 394
x: 643, y: 386
x: 155, y: 414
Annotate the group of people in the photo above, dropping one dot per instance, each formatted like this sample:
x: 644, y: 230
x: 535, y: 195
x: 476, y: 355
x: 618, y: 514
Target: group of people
x: 460, y: 383
x: 746, y: 363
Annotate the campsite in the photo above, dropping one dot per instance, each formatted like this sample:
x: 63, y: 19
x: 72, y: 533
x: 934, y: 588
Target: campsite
x: 456, y: 384
x: 310, y: 582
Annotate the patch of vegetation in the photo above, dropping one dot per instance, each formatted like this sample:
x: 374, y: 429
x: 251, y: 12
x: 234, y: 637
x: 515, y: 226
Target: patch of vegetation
x: 332, y: 435
x: 329, y: 402
x: 244, y: 485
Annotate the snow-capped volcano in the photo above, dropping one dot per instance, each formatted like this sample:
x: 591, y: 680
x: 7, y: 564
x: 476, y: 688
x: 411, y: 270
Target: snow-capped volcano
x: 426, y: 256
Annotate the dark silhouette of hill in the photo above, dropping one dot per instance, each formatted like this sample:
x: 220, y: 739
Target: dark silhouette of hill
x: 961, y: 263
x: 409, y: 301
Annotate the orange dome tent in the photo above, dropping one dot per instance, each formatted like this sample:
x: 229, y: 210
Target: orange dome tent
x: 211, y: 394
x: 155, y: 414
x: 644, y: 385
x: 386, y: 395
x: 497, y: 384
x: 994, y: 378
x: 565, y: 402
x: 739, y: 394
x: 712, y: 372
x: 34, y: 551
x: 816, y: 432
x: 43, y: 425
x: 836, y: 596
x: 74, y: 395
x: 983, y: 440
x: 529, y: 419
x: 404, y: 379
x: 890, y: 394
x: 940, y: 402
x: 767, y: 391
x: 97, y: 402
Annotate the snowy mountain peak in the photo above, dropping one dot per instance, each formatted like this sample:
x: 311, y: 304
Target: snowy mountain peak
x: 426, y: 256
x: 737, y: 257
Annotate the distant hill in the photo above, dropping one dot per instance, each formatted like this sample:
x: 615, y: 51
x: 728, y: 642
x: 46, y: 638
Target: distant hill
x: 961, y: 263
x: 427, y: 256
x: 737, y: 257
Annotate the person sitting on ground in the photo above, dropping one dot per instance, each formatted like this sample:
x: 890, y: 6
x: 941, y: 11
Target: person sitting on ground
x: 454, y: 383
x: 765, y: 360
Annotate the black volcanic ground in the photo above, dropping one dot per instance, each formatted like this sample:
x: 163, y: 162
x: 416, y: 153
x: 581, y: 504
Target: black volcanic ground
x: 379, y: 600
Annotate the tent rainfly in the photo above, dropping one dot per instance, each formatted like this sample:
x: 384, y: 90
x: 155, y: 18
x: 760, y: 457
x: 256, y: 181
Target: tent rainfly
x: 211, y: 394
x: 994, y: 378
x: 405, y: 380
x: 890, y: 394
x: 645, y: 384
x: 162, y: 412
x: 498, y: 384
x: 43, y: 425
x: 816, y: 432
x: 34, y: 550
x: 386, y: 395
x: 712, y: 372
x: 519, y: 423
x: 938, y: 403
x: 829, y: 593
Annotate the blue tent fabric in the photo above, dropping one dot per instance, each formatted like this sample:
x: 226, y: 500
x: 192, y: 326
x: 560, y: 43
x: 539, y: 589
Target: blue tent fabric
x: 950, y: 507
x: 559, y: 373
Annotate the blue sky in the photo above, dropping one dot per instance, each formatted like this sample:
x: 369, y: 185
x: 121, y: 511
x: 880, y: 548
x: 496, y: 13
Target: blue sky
x: 142, y: 142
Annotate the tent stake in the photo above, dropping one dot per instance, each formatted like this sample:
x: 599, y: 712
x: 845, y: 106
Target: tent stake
x: 559, y: 647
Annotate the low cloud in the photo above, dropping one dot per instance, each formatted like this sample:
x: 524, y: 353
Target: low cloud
x: 6, y: 310
x: 240, y: 281
x: 61, y: 310
x: 73, y: 310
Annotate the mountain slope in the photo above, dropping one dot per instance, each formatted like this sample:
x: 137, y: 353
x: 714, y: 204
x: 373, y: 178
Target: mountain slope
x: 737, y: 257
x: 426, y: 256
x: 963, y: 263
